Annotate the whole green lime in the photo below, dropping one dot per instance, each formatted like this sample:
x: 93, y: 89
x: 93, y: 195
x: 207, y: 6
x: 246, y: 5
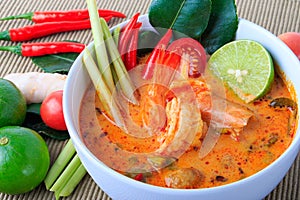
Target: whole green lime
x: 24, y: 159
x: 12, y: 104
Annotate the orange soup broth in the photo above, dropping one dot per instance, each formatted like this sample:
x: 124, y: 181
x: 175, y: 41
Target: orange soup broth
x: 266, y: 136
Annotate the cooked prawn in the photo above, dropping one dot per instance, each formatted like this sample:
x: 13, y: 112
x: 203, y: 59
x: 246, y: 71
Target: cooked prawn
x: 175, y: 124
x: 215, y: 110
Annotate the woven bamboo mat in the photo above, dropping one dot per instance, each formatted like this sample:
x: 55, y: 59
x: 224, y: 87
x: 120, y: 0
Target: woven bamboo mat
x: 277, y: 16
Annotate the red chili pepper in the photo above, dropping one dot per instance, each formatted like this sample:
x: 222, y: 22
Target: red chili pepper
x: 139, y: 177
x: 167, y: 58
x: 70, y: 15
x: 171, y: 59
x: 166, y: 64
x: 164, y: 41
x: 44, y: 29
x: 45, y: 48
x: 156, y: 55
x: 131, y: 55
x: 107, y: 18
x: 126, y: 34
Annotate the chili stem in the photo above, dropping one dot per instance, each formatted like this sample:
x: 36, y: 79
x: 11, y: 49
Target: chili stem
x: 13, y: 49
x: 60, y: 163
x: 124, y: 79
x: 101, y: 53
x: 22, y: 16
x: 4, y: 35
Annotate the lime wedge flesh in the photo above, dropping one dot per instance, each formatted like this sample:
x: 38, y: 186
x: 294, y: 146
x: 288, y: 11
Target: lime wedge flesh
x: 245, y: 66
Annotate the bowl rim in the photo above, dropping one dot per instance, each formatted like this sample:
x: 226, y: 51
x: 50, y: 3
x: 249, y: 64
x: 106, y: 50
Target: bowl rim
x: 81, y: 148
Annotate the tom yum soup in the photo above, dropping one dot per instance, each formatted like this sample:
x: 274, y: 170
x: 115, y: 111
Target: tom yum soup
x: 219, y: 108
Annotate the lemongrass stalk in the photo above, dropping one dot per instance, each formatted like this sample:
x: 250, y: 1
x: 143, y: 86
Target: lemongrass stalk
x: 73, y: 181
x: 111, y: 45
x: 60, y: 163
x: 98, y: 81
x: 99, y: 44
x: 102, y: 90
x: 115, y: 77
x: 120, y: 69
x: 66, y: 175
x: 116, y: 35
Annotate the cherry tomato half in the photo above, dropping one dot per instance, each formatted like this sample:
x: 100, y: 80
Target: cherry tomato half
x: 194, y: 52
x: 52, y: 111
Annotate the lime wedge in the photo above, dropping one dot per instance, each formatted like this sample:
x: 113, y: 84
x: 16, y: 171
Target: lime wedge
x: 245, y: 66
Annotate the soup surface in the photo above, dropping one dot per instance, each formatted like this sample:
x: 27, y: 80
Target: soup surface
x: 251, y: 135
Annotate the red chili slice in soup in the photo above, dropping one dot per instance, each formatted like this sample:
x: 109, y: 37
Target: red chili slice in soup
x: 194, y: 52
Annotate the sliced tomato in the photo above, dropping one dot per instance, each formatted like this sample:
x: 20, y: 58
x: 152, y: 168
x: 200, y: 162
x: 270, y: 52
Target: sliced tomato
x: 194, y: 52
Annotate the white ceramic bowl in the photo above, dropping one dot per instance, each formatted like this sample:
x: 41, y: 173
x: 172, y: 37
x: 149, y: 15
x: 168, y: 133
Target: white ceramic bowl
x: 118, y: 186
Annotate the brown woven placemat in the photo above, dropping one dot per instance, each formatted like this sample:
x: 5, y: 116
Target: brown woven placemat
x: 277, y: 16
